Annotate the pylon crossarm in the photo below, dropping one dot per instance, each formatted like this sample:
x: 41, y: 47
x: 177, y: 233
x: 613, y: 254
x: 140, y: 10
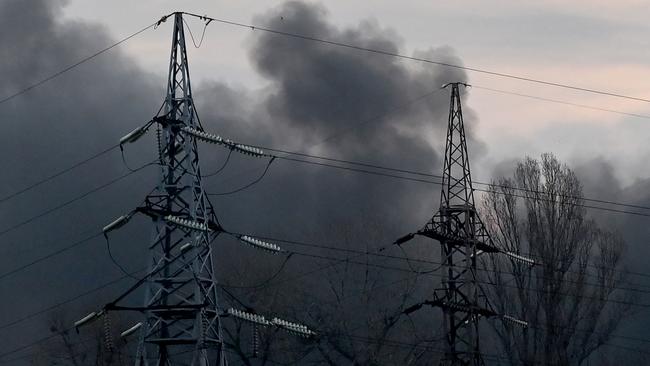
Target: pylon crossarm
x: 472, y: 310
x: 457, y: 307
x: 444, y: 86
x: 177, y: 308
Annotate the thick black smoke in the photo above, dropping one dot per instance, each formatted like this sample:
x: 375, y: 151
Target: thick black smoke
x: 320, y: 99
x: 48, y: 128
x: 339, y: 103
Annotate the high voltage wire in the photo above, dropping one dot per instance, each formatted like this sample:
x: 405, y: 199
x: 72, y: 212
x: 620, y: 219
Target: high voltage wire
x: 58, y: 174
x: 558, y: 101
x: 74, y: 65
x: 400, y: 269
x: 349, y: 260
x: 72, y: 200
x: 419, y: 59
x: 103, y: 152
x: 27, y: 346
x: 301, y: 243
x: 3, y: 199
x: 48, y: 256
x: 338, y: 261
x: 113, y: 181
x: 1, y: 101
x: 439, y: 183
x: 75, y: 244
x: 425, y: 261
x: 64, y: 302
x: 413, y: 172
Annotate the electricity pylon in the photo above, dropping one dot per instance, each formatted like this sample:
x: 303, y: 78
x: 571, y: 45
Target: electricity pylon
x: 463, y: 237
x: 181, y: 310
x: 182, y: 317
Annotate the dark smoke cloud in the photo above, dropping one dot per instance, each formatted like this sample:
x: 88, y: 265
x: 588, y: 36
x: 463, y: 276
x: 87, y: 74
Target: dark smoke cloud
x: 76, y: 115
x: 318, y: 98
x: 600, y: 181
x: 315, y: 92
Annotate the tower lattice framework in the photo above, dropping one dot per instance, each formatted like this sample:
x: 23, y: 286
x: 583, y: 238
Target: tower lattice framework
x: 183, y: 321
x: 462, y: 238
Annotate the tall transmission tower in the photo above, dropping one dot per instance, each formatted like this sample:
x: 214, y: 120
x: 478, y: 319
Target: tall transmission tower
x: 463, y: 238
x: 182, y: 313
x: 182, y: 318
x: 182, y: 324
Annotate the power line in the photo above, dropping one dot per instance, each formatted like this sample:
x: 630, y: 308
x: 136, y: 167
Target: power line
x: 360, y: 253
x: 349, y: 261
x: 58, y: 174
x: 294, y: 242
x: 237, y: 190
x: 32, y: 344
x: 558, y: 101
x: 337, y: 261
x: 48, y: 256
x: 74, y: 65
x: 420, y: 59
x: 438, y: 183
x: 413, y: 172
x: 71, y: 201
x: 64, y: 302
x: 399, y: 269
x: 425, y: 261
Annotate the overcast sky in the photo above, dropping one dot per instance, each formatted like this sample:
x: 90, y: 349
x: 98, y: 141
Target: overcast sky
x: 248, y: 88
x: 593, y: 44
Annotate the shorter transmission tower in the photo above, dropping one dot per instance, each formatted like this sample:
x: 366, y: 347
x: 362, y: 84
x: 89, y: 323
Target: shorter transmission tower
x: 463, y: 238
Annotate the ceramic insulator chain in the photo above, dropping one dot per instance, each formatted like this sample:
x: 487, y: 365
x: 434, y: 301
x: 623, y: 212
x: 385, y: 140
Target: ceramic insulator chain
x: 250, y: 317
x: 194, y: 225
x: 260, y: 244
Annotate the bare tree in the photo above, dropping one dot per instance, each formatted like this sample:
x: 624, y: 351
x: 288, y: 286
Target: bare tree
x: 355, y: 302
x: 95, y: 346
x: 570, y: 299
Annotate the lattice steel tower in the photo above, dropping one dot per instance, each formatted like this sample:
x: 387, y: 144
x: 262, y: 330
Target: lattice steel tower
x: 460, y: 232
x: 182, y: 324
x: 463, y: 237
x: 182, y: 315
